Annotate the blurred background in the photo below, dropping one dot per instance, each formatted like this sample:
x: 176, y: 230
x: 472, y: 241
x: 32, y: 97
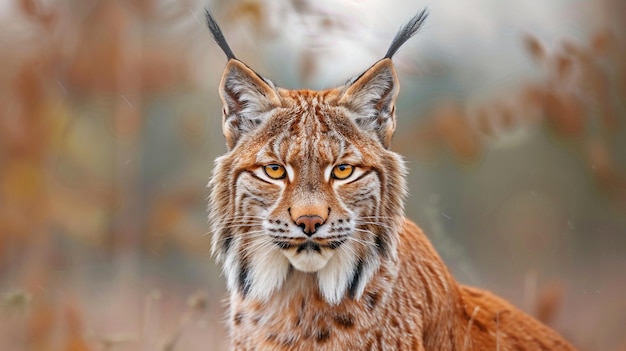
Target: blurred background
x: 511, y: 117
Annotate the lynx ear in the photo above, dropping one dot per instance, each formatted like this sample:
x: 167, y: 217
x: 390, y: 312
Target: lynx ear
x: 371, y: 98
x: 247, y: 98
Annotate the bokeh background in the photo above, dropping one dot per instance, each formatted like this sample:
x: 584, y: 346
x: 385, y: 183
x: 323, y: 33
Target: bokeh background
x: 511, y: 117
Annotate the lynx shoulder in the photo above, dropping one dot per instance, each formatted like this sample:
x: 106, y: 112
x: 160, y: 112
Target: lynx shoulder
x: 307, y: 215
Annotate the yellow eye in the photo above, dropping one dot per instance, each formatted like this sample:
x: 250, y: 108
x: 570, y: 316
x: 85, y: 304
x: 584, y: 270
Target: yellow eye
x: 342, y: 171
x: 275, y: 171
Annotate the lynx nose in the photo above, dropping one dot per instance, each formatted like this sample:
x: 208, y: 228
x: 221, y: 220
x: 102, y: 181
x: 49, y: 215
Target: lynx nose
x: 309, y: 224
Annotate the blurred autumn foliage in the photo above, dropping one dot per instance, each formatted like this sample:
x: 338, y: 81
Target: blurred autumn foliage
x: 109, y: 124
x: 76, y: 80
x: 580, y: 98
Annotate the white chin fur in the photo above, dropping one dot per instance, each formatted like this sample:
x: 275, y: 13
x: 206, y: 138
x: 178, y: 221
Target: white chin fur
x: 334, y: 269
x: 308, y: 261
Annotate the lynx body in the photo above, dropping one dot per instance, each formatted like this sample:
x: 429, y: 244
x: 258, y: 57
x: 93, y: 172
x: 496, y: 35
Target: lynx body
x: 307, y: 212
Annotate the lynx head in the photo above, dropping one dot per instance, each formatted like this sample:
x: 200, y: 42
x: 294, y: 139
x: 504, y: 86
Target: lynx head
x: 308, y: 185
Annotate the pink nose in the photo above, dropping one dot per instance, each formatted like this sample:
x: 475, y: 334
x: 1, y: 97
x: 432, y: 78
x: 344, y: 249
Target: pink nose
x: 309, y: 224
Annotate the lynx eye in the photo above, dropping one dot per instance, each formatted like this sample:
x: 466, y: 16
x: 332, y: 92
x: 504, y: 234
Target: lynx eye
x: 275, y: 171
x: 342, y: 171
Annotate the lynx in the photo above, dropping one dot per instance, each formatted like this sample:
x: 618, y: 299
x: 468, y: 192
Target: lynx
x: 307, y: 215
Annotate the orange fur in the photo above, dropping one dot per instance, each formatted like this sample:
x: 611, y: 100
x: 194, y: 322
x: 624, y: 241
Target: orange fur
x: 423, y: 308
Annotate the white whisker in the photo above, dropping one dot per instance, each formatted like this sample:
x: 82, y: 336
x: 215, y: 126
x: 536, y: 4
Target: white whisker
x: 360, y: 241
x: 365, y: 231
x: 238, y: 226
x: 248, y: 235
x: 374, y: 223
x: 376, y: 217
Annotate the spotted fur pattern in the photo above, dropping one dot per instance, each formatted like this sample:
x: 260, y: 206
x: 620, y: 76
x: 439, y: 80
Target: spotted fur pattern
x: 363, y: 277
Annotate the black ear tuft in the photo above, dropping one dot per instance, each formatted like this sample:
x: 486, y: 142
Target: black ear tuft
x: 371, y: 98
x: 219, y: 37
x: 406, y: 32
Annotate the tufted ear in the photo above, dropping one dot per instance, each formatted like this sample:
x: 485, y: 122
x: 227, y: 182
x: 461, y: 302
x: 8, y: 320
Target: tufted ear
x: 371, y: 100
x: 247, y: 99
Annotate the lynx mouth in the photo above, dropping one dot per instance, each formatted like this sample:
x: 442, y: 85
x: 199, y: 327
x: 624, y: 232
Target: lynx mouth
x: 309, y: 255
x: 307, y: 245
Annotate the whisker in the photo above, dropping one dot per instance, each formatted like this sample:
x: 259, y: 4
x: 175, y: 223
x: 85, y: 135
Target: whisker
x: 236, y: 221
x: 374, y: 223
x: 230, y: 218
x: 382, y: 217
x: 253, y: 249
x: 244, y: 215
x: 359, y: 241
x: 247, y: 235
x: 240, y: 218
x: 351, y: 249
x: 246, y: 232
x: 239, y: 226
x: 365, y: 231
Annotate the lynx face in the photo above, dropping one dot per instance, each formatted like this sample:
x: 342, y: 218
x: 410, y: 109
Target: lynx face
x: 308, y: 184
